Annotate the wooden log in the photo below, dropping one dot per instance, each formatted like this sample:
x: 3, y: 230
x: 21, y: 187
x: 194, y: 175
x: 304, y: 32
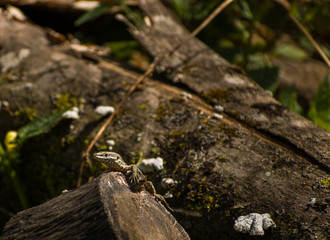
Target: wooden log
x: 206, y: 73
x: 104, y: 208
x: 260, y: 158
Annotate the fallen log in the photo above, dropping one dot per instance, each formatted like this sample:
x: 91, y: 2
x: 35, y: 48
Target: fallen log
x: 231, y: 149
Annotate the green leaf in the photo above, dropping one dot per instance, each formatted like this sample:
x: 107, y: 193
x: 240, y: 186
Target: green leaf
x: 39, y: 126
x: 134, y: 16
x: 266, y: 77
x: 2, y: 151
x: 245, y: 9
x: 290, y: 52
x: 288, y: 97
x: 123, y: 49
x: 319, y: 111
x: 94, y: 13
x: 180, y: 7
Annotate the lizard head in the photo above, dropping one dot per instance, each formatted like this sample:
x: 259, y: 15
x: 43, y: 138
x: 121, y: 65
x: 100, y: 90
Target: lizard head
x: 106, y: 156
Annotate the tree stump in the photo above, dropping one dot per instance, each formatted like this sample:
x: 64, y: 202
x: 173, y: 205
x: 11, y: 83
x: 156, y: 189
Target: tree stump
x: 104, y: 208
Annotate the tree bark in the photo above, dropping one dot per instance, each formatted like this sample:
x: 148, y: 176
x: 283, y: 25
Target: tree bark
x: 260, y: 158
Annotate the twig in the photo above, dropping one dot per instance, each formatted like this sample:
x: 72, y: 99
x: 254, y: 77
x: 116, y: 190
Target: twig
x: 144, y: 76
x: 286, y: 5
x: 310, y: 38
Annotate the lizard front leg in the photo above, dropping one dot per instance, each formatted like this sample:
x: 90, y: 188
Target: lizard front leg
x: 134, y: 178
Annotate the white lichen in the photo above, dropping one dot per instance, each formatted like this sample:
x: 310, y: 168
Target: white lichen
x: 151, y: 165
x: 104, y: 110
x: 147, y: 21
x: 85, y: 5
x: 111, y: 142
x: 186, y: 95
x: 254, y: 224
x: 311, y: 202
x: 160, y: 69
x: 15, y: 13
x: 168, y: 183
x: 217, y: 116
x: 11, y: 59
x: 234, y: 79
x: 269, y: 93
x: 218, y: 108
x: 179, y: 76
x: 73, y: 113
x: 4, y: 104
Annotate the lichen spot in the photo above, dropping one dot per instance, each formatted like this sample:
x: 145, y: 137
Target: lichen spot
x: 233, y: 79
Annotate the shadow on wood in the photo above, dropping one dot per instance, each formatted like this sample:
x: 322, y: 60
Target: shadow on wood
x: 104, y: 208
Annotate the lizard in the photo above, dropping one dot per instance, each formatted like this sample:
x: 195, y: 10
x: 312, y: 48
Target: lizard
x: 114, y: 162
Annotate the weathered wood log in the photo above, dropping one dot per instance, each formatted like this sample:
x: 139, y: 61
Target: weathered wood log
x: 104, y: 208
x: 260, y: 158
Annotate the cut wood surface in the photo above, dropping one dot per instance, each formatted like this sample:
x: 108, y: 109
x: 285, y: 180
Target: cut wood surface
x: 103, y: 209
x: 260, y: 158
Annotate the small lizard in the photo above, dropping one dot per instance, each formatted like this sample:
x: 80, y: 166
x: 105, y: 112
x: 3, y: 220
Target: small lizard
x: 114, y: 162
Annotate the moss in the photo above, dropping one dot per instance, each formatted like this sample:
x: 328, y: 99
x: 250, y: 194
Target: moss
x: 137, y: 159
x: 216, y: 94
x: 85, y: 142
x: 163, y: 110
x: 31, y: 113
x: 206, y: 120
x: 143, y: 107
x: 67, y: 141
x: 177, y: 138
x: 325, y: 182
x: 201, y: 198
x: 66, y: 100
x: 233, y: 113
x: 154, y: 150
x: 229, y: 130
x: 287, y: 222
x: 103, y: 148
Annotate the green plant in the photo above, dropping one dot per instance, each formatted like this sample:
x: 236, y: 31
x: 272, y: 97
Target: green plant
x: 288, y: 97
x: 319, y: 111
x: 10, y: 155
x: 95, y: 13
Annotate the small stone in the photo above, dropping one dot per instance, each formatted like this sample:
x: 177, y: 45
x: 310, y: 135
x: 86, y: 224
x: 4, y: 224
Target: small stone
x: 267, y: 174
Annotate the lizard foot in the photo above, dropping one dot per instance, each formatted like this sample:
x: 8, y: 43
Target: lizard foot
x: 134, y: 178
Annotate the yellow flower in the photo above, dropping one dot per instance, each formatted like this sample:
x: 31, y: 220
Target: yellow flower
x: 10, y: 136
